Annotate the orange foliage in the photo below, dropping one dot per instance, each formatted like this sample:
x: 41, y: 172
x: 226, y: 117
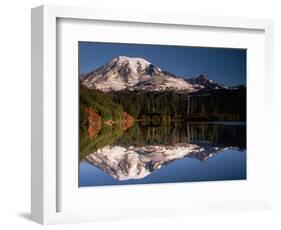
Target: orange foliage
x: 94, y: 121
x: 127, y: 121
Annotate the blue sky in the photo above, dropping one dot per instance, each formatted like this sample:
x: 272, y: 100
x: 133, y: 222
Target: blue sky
x: 226, y: 66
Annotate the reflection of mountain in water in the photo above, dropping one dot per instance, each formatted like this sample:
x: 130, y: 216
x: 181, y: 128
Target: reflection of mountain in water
x: 141, y: 150
x: 137, y: 162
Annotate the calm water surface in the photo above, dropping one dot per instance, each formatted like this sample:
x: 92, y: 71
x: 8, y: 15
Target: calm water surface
x: 174, y: 152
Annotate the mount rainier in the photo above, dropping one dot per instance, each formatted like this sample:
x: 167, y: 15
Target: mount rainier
x: 135, y: 73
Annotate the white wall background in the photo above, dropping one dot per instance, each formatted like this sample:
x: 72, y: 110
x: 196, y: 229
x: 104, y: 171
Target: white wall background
x: 15, y: 112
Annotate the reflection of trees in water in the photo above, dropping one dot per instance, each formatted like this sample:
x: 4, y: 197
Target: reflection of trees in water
x: 171, y: 133
x: 106, y: 136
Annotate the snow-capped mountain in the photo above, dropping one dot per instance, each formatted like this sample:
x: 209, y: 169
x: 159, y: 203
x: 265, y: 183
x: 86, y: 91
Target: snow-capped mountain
x: 203, y: 81
x: 134, y: 73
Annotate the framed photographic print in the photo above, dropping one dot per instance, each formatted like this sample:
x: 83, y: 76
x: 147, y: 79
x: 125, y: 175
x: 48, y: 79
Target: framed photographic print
x: 137, y: 114
x: 140, y: 123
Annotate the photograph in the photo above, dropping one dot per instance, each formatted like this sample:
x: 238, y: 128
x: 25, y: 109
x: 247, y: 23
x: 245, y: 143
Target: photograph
x: 151, y: 114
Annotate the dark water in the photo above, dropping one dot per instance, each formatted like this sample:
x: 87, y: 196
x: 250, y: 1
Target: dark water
x: 174, y: 152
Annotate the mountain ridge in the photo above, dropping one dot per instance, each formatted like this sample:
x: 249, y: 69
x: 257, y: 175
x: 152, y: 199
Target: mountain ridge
x: 136, y: 73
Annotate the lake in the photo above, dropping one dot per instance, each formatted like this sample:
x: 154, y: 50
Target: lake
x: 171, y: 152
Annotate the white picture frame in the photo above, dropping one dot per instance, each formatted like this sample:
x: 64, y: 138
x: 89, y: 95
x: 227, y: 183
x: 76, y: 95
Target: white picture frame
x: 46, y: 165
